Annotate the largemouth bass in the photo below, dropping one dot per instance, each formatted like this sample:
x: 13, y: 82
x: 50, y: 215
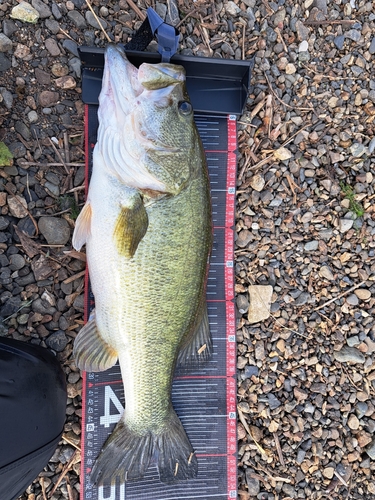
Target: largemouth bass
x: 148, y: 233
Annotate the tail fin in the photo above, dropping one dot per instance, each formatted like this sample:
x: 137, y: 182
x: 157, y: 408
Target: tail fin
x: 127, y: 454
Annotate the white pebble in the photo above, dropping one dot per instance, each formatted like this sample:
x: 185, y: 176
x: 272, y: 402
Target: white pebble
x: 303, y: 46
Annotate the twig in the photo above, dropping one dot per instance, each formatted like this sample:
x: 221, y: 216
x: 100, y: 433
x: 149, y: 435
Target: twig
x: 64, y: 473
x: 280, y: 38
x: 278, y: 448
x: 341, y: 295
x: 78, y: 188
x: 139, y: 13
x: 98, y: 21
x: 247, y: 428
x: 282, y: 102
x: 341, y: 479
x: 30, y: 163
x: 43, y: 488
x: 74, y: 277
x: 205, y: 36
x: 69, y: 488
x: 193, y: 11
x: 71, y: 442
x: 59, y: 155
x: 66, y: 147
x: 333, y: 21
x: 66, y: 34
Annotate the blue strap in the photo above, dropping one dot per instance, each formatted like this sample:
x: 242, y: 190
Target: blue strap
x: 167, y: 35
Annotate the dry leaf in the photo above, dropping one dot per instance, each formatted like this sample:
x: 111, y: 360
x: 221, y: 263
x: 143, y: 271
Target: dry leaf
x: 30, y: 247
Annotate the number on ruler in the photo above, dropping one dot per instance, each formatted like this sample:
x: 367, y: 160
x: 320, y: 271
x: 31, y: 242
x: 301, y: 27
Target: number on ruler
x: 112, y: 495
x: 107, y: 419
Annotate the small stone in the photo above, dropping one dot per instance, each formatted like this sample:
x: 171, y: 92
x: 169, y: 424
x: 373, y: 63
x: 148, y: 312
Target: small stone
x: 243, y: 238
x: 357, y: 149
x: 253, y: 483
x: 48, y: 98
x: 17, y: 206
x: 16, y: 262
x: 92, y: 21
x: 22, y: 51
x: 371, y: 49
x: 66, y: 82
x: 7, y: 97
x: 10, y: 307
x: 58, y: 69
x: 362, y: 293
x: 42, y: 77
x: 52, y: 25
x: 71, y: 47
x: 52, y: 47
x: 55, y: 230
x: 5, y: 63
x: 77, y: 19
x: 354, y: 35
x: 339, y: 41
x: 5, y: 43
x: 311, y: 246
x: 353, y: 341
x: 251, y: 370
x: 273, y: 401
x: 32, y: 116
x: 232, y: 8
x: 299, y: 394
x: 328, y: 472
x: 257, y: 182
x: 349, y: 355
x: 353, y: 422
x: 302, y: 299
x: 303, y: 46
x: 356, y: 70
x: 370, y: 450
x: 43, y: 9
x: 242, y: 303
x: 57, y: 341
x: 352, y: 300
x: 325, y: 272
x: 361, y: 409
x: 52, y: 189
x: 290, y: 69
x: 259, y: 351
x: 56, y: 12
x: 260, y: 302
x: 363, y: 438
x: 345, y: 225
x: 25, y: 12
x: 303, y: 32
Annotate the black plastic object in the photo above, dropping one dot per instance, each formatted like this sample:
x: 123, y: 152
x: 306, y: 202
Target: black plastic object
x: 217, y: 86
x: 32, y: 413
x: 168, y: 36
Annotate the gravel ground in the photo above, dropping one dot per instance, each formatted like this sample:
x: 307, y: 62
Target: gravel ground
x: 305, y: 224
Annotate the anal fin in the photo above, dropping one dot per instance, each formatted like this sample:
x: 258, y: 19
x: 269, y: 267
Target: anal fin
x: 82, y: 228
x: 91, y: 352
x: 199, y: 349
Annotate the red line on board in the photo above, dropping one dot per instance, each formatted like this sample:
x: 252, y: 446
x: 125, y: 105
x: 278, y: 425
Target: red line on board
x: 200, y: 455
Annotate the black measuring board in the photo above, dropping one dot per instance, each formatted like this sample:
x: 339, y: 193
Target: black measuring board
x: 204, y: 399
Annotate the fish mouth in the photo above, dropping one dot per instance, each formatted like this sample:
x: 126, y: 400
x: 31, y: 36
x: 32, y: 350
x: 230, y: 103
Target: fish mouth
x: 123, y: 86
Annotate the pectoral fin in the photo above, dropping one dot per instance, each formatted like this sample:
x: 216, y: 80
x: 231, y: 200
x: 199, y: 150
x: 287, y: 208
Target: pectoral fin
x: 131, y: 226
x: 91, y: 352
x: 82, y: 229
x: 199, y: 349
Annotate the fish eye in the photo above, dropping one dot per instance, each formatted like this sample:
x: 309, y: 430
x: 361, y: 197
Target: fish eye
x: 185, y: 108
